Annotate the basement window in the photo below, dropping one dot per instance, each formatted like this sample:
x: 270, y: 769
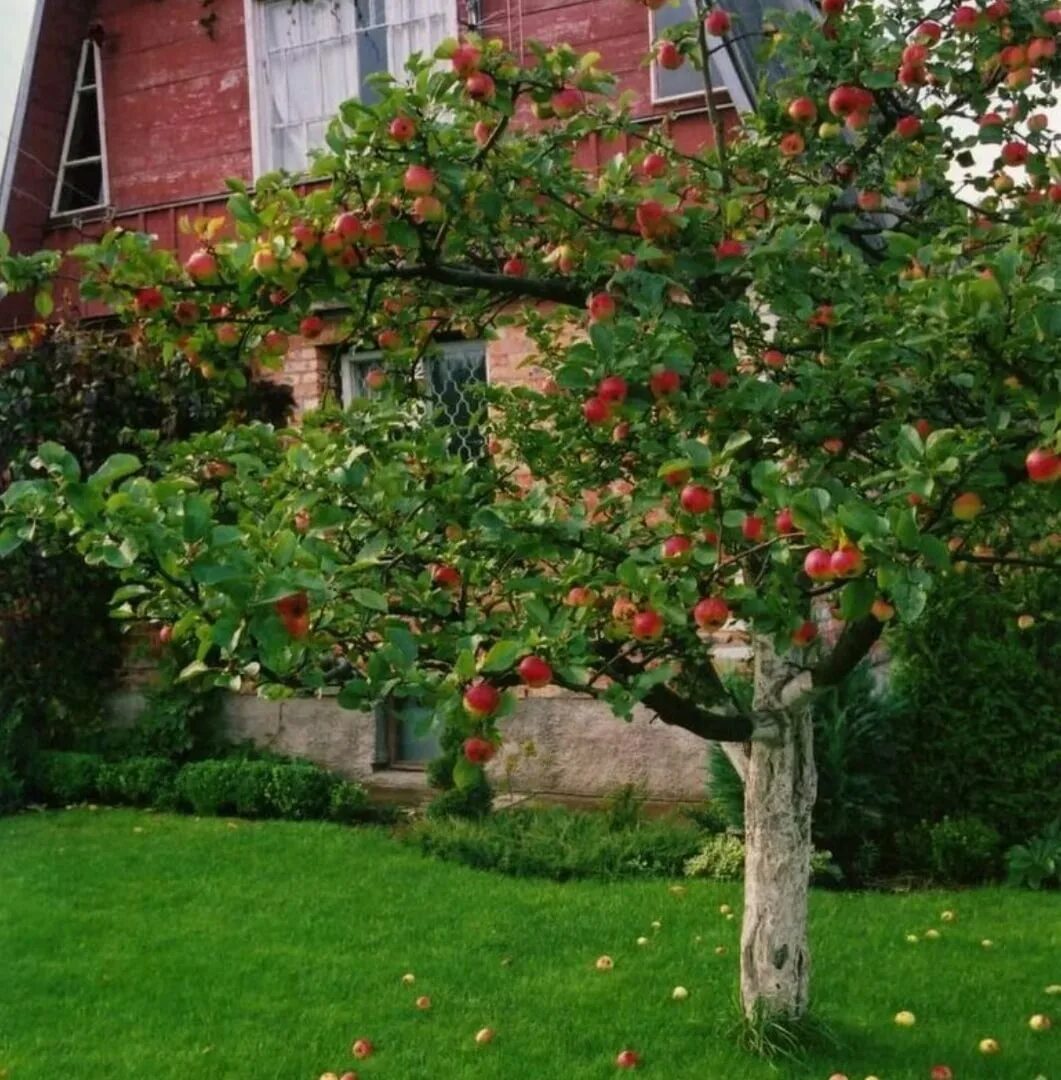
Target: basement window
x: 310, y: 56
x: 81, y: 183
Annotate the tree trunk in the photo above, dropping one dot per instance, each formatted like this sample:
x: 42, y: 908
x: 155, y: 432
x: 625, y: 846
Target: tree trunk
x: 779, y: 792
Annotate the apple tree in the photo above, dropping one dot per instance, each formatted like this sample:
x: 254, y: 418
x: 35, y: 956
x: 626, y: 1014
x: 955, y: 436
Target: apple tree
x: 793, y: 377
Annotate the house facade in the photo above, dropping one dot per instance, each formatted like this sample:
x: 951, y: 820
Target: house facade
x: 132, y: 113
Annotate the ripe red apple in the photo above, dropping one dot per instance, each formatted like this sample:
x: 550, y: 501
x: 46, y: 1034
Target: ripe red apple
x: 201, y: 265
x: 804, y: 634
x: 514, y: 267
x: 348, y: 1076
x: 965, y: 18
x: 148, y: 299
x: 375, y: 233
x: 567, y: 102
x: 846, y: 561
x: 669, y: 56
x: 654, y: 165
x: 446, y: 577
x: 482, y: 132
x: 478, y: 751
x: 676, y: 548
x: 580, y: 596
x: 596, y: 411
x: 803, y: 110
x: 418, y: 180
x: 1014, y: 153
x: 718, y: 22
x: 388, y: 340
x: 1043, y: 465
x: 465, y: 58
x: 427, y: 209
x: 601, y: 307
x: 915, y: 55
x: 752, y: 527
x: 481, y: 699
x: 718, y: 379
x: 402, y: 129
x: 534, y: 671
x: 651, y: 218
x: 647, y: 625
x: 664, y: 382
x: 967, y: 506
x: 479, y: 86
x: 711, y: 612
x: 311, y: 326
x: 375, y: 378
x: 696, y: 499
x: 791, y: 145
x: 870, y: 200
x: 1040, y: 49
x: 832, y: 446
x: 264, y: 261
x: 627, y: 1059
x: 783, y: 522
x: 729, y: 249
x: 165, y: 634
x: 676, y: 476
x: 362, y: 1049
x: 612, y: 388
x: 332, y: 242
x: 881, y: 610
x: 908, y: 127
x: 929, y: 32
x: 941, y: 1072
x: 774, y: 358
x: 304, y: 235
x: 833, y: 7
x: 186, y: 312
x: 817, y: 564
x: 275, y: 342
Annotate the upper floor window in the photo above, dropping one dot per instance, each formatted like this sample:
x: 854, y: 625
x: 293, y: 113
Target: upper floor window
x: 81, y: 183
x: 309, y: 56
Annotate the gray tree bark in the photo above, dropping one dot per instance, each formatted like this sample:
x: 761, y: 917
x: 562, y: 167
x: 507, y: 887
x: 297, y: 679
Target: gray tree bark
x: 780, y: 784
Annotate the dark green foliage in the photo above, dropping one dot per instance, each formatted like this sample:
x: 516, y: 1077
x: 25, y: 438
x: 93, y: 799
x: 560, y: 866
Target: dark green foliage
x: 979, y: 732
x: 12, y: 790
x: 250, y: 791
x: 209, y: 787
x: 60, y: 777
x: 299, y: 789
x: 952, y: 851
x: 624, y: 808
x: 348, y: 803
x: 1037, y: 863
x: 177, y: 722
x: 139, y: 781
x: 93, y: 393
x: 560, y: 844
x: 472, y: 802
x: 726, y: 790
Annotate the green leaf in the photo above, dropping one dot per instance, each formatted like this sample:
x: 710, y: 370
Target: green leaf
x: 370, y: 599
x: 57, y: 460
x: 465, y: 774
x: 502, y: 656
x: 84, y: 500
x: 44, y: 303
x: 935, y: 551
x: 860, y: 518
x: 404, y: 641
x: 857, y: 598
x: 115, y: 468
x: 196, y: 667
x: 537, y: 611
x: 354, y: 695
x: 464, y: 668
x: 10, y: 541
x: 197, y: 516
x: 735, y: 442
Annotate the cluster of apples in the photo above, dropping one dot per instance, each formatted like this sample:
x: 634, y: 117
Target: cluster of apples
x: 482, y: 699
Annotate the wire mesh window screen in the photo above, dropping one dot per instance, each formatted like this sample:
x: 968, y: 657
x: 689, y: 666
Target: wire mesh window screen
x: 452, y: 380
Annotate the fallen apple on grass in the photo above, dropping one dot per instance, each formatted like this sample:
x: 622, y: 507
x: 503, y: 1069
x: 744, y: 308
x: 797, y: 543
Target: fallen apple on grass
x: 905, y: 1018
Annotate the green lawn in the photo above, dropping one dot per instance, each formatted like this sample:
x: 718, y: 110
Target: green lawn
x: 141, y: 945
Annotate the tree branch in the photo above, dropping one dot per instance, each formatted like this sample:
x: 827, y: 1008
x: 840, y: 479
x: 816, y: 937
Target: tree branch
x: 560, y: 291
x: 855, y: 642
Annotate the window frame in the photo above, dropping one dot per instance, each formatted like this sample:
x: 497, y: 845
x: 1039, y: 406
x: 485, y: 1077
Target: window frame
x: 261, y: 132
x: 653, y: 79
x: 64, y: 163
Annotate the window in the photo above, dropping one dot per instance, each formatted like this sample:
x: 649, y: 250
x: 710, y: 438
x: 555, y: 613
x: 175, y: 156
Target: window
x: 734, y: 67
x: 81, y: 183
x: 309, y: 56
x: 405, y: 737
x: 449, y: 379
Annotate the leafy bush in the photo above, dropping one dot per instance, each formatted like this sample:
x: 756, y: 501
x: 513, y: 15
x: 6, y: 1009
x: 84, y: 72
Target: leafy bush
x: 299, y: 789
x: 139, y: 781
x: 559, y: 844
x: 12, y: 790
x: 624, y: 808
x: 60, y: 777
x: 954, y: 851
x: 250, y: 787
x: 177, y: 722
x: 472, y: 802
x: 721, y: 858
x: 348, y: 802
x: 1038, y: 862
x: 977, y: 733
x: 209, y: 787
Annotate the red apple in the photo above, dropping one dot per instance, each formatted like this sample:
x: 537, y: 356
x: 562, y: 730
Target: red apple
x: 870, y: 200
x: 965, y: 18
x: 534, y: 671
x: 908, y: 127
x: 311, y: 326
x: 783, y: 522
x: 228, y: 334
x: 580, y: 596
x: 1043, y: 465
x: 696, y: 499
x: 480, y: 87
x: 669, y: 56
x: 803, y: 110
x: 833, y: 446
x: 729, y: 249
x: 332, y: 242
x: 514, y: 268
x: 941, y: 1072
x: 596, y: 411
x: 201, y: 265
x: 817, y: 564
x: 612, y: 388
x: 804, y: 634
x: 1014, y: 153
x: 967, y: 506
x: 654, y: 165
x: 647, y: 625
x: 362, y: 1049
x: 465, y: 58
x: 418, y: 180
x: 833, y: 7
x: 718, y: 22
x: 664, y: 382
x: 881, y: 610
x: 482, y: 132
x: 388, y: 340
x: 375, y: 378
x: 275, y: 342
x: 427, y: 209
x: 478, y: 751
x: 791, y: 145
x: 446, y: 577
x: 165, y: 634
x: 651, y: 218
x: 752, y: 527
x: 481, y: 700
x: 149, y: 299
x: 264, y: 261
x: 676, y: 548
x: 846, y: 561
x: 402, y: 129
x: 718, y: 379
x: 627, y: 1059
x: 601, y: 307
x: 1040, y: 49
x: 711, y: 612
x: 774, y: 358
x: 676, y: 476
x: 928, y: 32
x: 567, y: 102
